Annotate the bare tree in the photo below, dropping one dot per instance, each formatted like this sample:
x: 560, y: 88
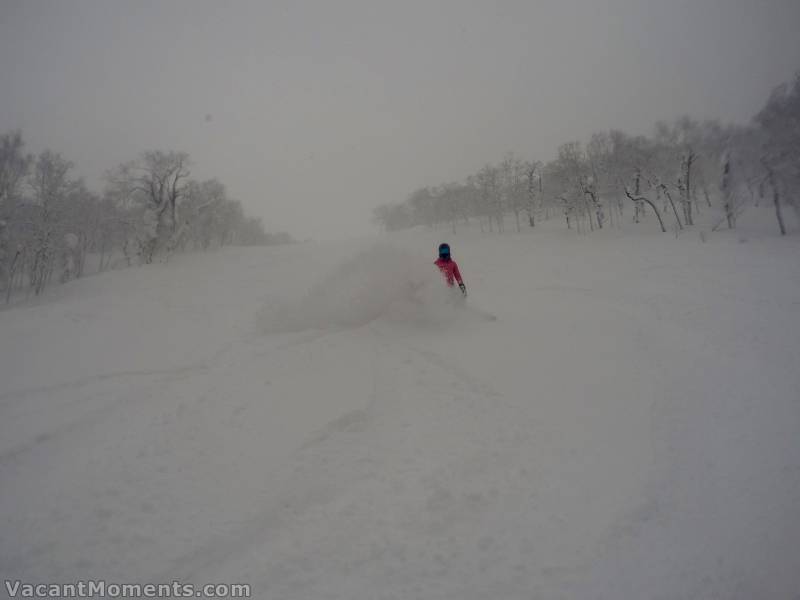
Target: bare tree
x: 156, y: 181
x: 513, y: 187
x: 726, y: 187
x: 52, y: 187
x: 779, y: 122
x: 578, y: 190
x: 776, y: 195
x: 204, y: 209
x: 14, y: 168
x: 668, y: 170
x: 491, y: 200
x: 533, y: 176
x: 653, y: 206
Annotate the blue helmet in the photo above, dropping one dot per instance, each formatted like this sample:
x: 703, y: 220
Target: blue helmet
x: 444, y: 250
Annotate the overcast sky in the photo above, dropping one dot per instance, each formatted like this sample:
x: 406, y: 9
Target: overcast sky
x: 321, y: 110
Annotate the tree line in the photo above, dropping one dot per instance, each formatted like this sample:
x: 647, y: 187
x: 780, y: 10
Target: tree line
x: 51, y: 222
x: 682, y: 169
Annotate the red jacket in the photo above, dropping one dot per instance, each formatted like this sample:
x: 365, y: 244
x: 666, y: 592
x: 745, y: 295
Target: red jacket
x: 449, y: 270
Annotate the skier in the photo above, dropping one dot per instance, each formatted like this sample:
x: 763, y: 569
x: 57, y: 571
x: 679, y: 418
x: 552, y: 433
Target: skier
x: 449, y: 268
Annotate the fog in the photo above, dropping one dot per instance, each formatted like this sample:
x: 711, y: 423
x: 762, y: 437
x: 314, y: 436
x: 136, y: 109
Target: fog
x: 347, y: 300
x: 313, y: 113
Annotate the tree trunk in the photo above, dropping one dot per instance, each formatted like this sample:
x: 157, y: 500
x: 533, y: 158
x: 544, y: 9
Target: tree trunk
x: 689, y: 161
x: 674, y: 210
x: 775, y: 196
x: 727, y: 195
x: 11, y: 277
x: 729, y: 216
x: 776, y: 199
x: 653, y: 206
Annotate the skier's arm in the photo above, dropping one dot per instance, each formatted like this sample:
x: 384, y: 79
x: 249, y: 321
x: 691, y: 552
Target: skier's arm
x: 457, y: 274
x: 460, y: 281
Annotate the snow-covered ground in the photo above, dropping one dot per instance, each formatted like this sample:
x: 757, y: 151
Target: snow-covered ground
x: 314, y: 420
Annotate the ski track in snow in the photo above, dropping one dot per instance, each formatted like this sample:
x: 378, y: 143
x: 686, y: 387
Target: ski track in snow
x: 626, y: 428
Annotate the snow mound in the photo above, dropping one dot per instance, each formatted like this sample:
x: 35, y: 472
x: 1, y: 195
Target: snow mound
x: 380, y: 281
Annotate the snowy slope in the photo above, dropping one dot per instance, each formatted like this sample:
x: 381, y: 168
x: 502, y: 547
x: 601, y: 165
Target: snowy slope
x: 314, y: 420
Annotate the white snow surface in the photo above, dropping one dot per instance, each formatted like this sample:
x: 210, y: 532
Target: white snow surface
x: 320, y: 421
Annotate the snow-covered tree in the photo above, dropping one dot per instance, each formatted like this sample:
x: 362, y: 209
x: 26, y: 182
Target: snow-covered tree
x: 779, y: 124
x: 14, y: 168
x: 514, y: 186
x: 490, y: 196
x: 155, y: 183
x: 533, y: 189
x: 52, y: 188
